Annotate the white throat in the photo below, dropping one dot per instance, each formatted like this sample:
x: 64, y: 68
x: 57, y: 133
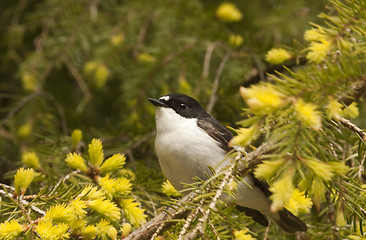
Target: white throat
x: 184, y: 149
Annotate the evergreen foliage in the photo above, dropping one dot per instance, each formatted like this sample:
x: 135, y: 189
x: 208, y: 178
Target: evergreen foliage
x: 76, y: 130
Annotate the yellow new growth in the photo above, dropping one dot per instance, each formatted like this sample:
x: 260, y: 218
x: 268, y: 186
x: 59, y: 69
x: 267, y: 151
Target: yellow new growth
x: 52, y: 232
x: 339, y: 168
x: 235, y: 40
x: 60, y: 213
x: 114, y: 187
x: 262, y: 99
x: 277, y: 56
x: 90, y: 67
x: 318, y: 51
x: 317, y: 191
x: 126, y: 229
x: 314, y: 35
x: 134, y: 214
x: 76, y: 137
x: 104, y: 228
x: 95, y: 150
x: 282, y: 190
x: 334, y: 109
x: 88, y: 232
x: 10, y: 230
x: 78, y: 206
x: 145, y: 57
x: 169, y: 190
x: 320, y: 169
x: 76, y: 161
x: 98, y: 71
x: 29, y: 81
x: 244, y: 136
x: 351, y: 111
x: 117, y: 39
x: 31, y: 159
x: 91, y: 193
x: 101, y: 75
x: 115, y: 162
x: 228, y: 12
x: 267, y: 168
x: 24, y: 130
x: 105, y: 207
x: 22, y: 179
x: 308, y: 115
x: 242, y: 235
x: 340, y: 220
x: 299, y: 203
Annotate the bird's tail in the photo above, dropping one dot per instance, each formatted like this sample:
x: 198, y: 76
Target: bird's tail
x: 289, y: 222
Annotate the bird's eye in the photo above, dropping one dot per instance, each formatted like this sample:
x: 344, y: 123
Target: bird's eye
x: 182, y: 106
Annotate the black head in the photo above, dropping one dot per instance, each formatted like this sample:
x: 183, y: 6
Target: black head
x: 182, y: 104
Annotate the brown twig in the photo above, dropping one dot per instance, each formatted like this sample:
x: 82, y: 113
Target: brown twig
x: 160, y: 222
x: 141, y: 35
x: 20, y: 8
x: 189, y: 221
x: 252, y: 159
x: 19, y: 106
x: 348, y: 124
x: 59, y: 110
x: 267, y: 231
x: 41, y: 39
x: 260, y: 75
x: 356, y: 91
x: 215, y: 86
x: 207, y: 60
x: 63, y: 180
x: 78, y: 78
x: 361, y: 168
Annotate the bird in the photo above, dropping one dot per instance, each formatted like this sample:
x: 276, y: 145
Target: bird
x: 189, y: 141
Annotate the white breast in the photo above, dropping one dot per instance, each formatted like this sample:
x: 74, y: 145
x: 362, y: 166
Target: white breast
x: 184, y: 150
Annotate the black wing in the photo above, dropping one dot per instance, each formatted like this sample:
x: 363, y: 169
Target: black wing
x: 256, y: 215
x: 263, y: 185
x: 216, y: 130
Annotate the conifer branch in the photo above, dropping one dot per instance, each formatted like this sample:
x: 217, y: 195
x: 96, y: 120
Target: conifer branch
x: 189, y: 221
x: 41, y: 39
x: 160, y: 222
x: 331, y: 214
x: 22, y: 201
x: 181, y: 211
x: 229, y: 175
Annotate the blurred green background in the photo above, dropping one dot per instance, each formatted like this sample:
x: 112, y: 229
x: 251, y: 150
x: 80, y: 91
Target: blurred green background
x: 91, y: 65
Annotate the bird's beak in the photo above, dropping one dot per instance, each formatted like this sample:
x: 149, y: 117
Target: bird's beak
x: 157, y: 102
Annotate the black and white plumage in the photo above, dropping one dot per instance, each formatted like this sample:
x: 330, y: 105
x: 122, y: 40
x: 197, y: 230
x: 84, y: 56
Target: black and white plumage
x: 188, y: 140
